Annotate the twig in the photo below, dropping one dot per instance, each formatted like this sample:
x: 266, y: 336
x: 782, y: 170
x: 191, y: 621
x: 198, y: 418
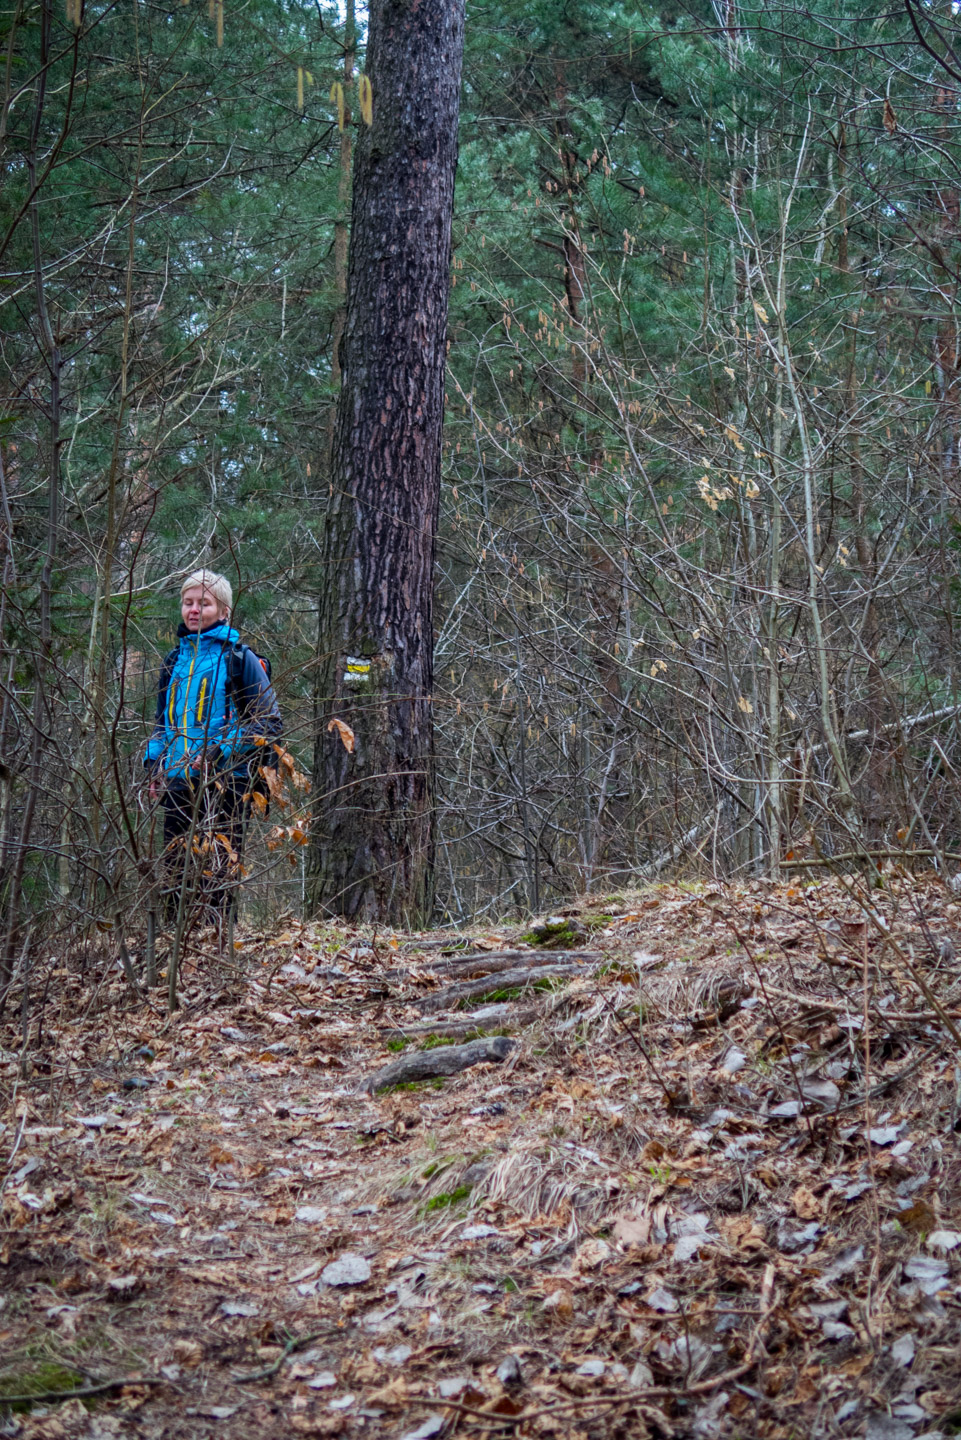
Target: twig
x: 669, y: 1095
x: 16, y: 1146
x: 633, y: 1397
x: 826, y: 862
x: 297, y: 1343
x: 80, y: 1393
x: 765, y: 991
x: 889, y: 1083
x: 817, y: 1002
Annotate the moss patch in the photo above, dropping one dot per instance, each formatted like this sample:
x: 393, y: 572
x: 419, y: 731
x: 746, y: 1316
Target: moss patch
x: 42, y: 1379
x: 448, y: 1198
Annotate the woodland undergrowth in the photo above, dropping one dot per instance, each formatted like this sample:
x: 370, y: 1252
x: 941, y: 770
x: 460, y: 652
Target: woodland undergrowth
x: 709, y: 1189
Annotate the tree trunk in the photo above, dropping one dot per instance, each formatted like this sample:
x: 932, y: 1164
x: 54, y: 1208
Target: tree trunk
x: 373, y: 849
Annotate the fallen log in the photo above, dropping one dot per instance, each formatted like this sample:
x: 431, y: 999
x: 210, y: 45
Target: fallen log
x: 496, y: 960
x: 486, y: 985
x: 506, y: 1013
x: 443, y: 1060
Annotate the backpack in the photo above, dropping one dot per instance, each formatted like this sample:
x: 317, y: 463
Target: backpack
x: 269, y: 759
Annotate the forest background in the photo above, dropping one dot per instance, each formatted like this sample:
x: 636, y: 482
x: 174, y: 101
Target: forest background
x: 698, y: 562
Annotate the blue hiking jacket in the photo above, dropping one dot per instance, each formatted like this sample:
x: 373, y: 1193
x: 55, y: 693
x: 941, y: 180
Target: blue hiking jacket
x: 196, y: 716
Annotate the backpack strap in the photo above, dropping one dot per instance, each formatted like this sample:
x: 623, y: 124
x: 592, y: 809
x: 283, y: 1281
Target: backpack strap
x: 239, y: 656
x: 163, y: 685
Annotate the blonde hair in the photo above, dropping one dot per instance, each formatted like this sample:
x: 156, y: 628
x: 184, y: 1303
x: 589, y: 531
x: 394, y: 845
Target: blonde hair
x: 216, y: 585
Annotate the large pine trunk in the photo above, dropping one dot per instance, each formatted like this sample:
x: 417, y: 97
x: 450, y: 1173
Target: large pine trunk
x: 373, y: 849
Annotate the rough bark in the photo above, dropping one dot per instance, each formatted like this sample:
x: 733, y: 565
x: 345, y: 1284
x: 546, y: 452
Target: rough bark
x: 472, y: 966
x: 507, y: 1013
x: 494, y: 984
x: 373, y: 852
x: 445, y: 1060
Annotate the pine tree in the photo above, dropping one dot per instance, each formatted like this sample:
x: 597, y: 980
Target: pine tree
x: 374, y: 851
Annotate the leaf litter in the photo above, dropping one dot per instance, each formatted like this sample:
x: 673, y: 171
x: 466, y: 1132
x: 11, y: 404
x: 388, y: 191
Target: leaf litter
x: 710, y: 1189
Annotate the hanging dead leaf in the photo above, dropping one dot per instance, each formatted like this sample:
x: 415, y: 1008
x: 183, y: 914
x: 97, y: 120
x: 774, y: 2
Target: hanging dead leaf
x: 275, y: 785
x: 345, y: 733
x: 890, y: 119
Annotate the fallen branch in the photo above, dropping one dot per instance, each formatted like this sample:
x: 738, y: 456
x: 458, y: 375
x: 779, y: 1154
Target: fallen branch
x: 44, y: 1397
x: 817, y: 1002
x: 498, y: 958
x: 848, y: 856
x: 506, y: 980
x: 753, y: 1354
x: 292, y: 1346
x: 508, y: 960
x: 488, y: 1017
x: 444, y: 1060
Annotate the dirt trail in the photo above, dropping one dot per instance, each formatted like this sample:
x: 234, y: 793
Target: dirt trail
x: 669, y: 1228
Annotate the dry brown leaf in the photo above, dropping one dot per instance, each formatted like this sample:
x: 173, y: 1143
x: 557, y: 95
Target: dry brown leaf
x: 742, y: 1232
x: 919, y: 1217
x: 345, y: 733
x: 559, y: 1303
x: 806, y: 1204
x: 632, y: 1229
x: 396, y: 1392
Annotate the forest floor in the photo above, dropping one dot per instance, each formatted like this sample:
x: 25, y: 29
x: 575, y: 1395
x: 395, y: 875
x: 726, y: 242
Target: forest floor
x: 710, y: 1188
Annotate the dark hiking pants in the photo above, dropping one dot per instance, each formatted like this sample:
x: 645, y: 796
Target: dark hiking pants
x: 204, y: 831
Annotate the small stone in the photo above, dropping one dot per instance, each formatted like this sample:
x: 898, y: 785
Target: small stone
x: 240, y: 1307
x: 347, y: 1269
x: 452, y: 1386
x: 824, y: 1092
x: 929, y: 1274
x: 433, y: 1425
x: 123, y: 1284
x: 398, y: 1355
x: 887, y: 1427
x: 943, y: 1239
x: 663, y: 1301
x: 509, y: 1371
x: 836, y: 1330
x: 903, y: 1350
x: 883, y: 1135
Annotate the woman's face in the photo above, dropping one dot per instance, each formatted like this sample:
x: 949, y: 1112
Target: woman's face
x: 200, y: 609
